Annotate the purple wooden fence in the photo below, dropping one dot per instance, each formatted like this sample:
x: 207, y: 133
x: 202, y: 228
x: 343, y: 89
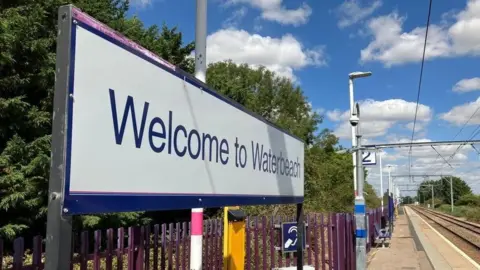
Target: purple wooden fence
x: 330, y: 241
x: 330, y: 245
x: 165, y: 246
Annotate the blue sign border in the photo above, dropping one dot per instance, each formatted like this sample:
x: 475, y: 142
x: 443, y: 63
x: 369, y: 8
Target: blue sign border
x: 94, y: 203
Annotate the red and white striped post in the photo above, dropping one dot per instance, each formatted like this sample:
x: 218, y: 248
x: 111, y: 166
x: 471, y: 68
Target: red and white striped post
x: 196, y: 234
x: 196, y: 239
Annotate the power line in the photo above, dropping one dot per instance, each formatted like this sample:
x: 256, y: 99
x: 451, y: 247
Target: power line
x: 377, y: 147
x: 420, y: 81
x: 472, y: 135
x: 442, y: 157
x: 461, y: 129
x: 465, y: 124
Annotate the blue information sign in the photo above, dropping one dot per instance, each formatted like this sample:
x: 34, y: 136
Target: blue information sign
x: 290, y: 237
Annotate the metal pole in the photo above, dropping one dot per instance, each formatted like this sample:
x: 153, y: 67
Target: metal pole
x: 300, y: 235
x: 58, y: 240
x: 390, y: 200
x: 196, y: 239
x: 433, y: 198
x: 451, y: 193
x: 201, y: 41
x: 360, y: 208
x: 381, y: 181
x: 389, y: 179
x: 393, y: 193
x: 389, y: 183
x: 354, y: 137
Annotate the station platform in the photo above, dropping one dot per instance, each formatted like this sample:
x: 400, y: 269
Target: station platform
x: 417, y: 245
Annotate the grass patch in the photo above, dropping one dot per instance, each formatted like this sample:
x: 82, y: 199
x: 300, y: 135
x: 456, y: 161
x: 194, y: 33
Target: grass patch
x: 471, y: 213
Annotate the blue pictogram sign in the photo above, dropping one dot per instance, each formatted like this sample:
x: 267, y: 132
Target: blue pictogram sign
x: 290, y: 237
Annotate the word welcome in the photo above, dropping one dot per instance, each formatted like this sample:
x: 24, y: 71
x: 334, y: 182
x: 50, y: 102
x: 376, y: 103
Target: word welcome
x: 177, y: 140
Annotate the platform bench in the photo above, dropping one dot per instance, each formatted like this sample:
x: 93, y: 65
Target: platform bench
x: 382, y: 235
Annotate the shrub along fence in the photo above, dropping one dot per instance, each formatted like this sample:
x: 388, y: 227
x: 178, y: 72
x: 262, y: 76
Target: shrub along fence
x: 330, y: 245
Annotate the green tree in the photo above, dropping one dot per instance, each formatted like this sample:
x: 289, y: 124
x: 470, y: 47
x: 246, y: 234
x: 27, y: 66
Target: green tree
x: 275, y: 98
x: 27, y: 61
x: 328, y: 175
x: 441, y: 189
x: 425, y: 191
x: 459, y: 186
x: 272, y: 97
x: 371, y: 198
x: 469, y: 200
x: 407, y: 200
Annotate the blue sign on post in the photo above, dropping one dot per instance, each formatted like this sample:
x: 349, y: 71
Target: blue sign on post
x: 290, y: 237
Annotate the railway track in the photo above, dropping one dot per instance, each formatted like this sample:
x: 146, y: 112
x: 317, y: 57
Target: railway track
x: 471, y: 226
x: 467, y: 233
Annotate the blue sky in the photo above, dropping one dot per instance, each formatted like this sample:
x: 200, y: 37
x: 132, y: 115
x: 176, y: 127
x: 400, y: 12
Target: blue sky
x: 317, y: 43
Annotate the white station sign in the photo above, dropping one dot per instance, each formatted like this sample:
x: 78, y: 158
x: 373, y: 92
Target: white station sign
x: 142, y: 135
x: 369, y: 158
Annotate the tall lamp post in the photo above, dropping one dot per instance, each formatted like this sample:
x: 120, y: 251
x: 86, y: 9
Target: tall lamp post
x: 360, y: 208
x: 352, y: 76
x: 196, y: 237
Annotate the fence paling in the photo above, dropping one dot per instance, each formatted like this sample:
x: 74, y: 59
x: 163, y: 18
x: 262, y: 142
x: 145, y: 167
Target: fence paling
x: 1, y: 254
x: 109, y: 257
x: 310, y: 230
x: 319, y: 248
x: 279, y: 240
x: 163, y: 249
x: 272, y: 242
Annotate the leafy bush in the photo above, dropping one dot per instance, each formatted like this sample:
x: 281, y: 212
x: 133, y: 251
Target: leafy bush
x: 469, y: 200
x: 473, y: 214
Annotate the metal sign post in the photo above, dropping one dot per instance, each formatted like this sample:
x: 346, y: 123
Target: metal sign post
x: 58, y: 240
x: 301, y: 236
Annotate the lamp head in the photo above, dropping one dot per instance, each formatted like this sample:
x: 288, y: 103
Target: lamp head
x: 359, y: 74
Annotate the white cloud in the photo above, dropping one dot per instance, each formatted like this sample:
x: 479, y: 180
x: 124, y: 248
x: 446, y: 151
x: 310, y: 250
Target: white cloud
x: 388, y: 110
x: 467, y: 85
x: 377, y: 117
x: 351, y: 12
x: 418, y: 126
x: 464, y: 32
x: 425, y: 160
x: 460, y: 114
x: 274, y: 10
x: 141, y: 4
x: 283, y: 55
x: 235, y: 18
x: 391, y: 45
x: 369, y: 129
